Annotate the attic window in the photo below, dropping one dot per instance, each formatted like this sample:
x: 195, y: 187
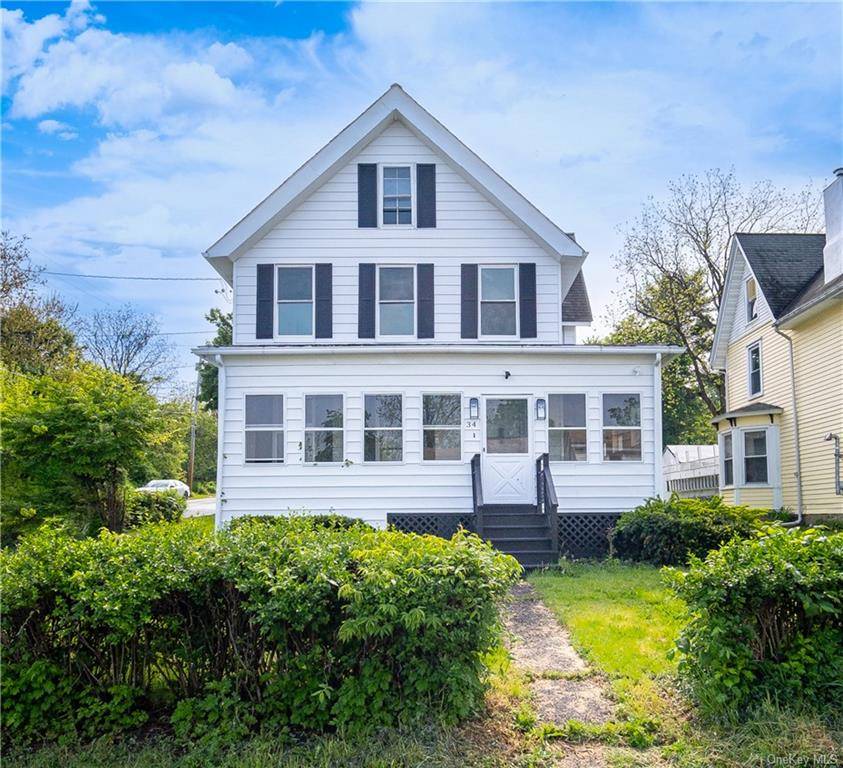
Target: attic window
x: 397, y: 195
x: 751, y: 299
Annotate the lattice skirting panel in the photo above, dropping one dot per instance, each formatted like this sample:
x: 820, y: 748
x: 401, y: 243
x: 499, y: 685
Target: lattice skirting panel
x: 585, y: 535
x: 438, y: 524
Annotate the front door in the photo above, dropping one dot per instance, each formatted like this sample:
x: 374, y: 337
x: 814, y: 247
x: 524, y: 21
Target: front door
x: 507, y: 466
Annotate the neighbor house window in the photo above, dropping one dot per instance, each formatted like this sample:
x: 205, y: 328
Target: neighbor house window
x: 566, y: 428
x: 622, y: 427
x: 498, y: 304
x: 323, y: 429
x: 264, y: 429
x: 753, y: 362
x: 441, y: 422
x: 397, y: 195
x: 755, y: 456
x: 397, y: 301
x: 383, y: 435
x: 295, y: 301
x: 728, y: 460
x: 751, y: 299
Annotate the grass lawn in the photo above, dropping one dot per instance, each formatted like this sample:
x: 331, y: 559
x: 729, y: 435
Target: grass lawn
x: 204, y: 522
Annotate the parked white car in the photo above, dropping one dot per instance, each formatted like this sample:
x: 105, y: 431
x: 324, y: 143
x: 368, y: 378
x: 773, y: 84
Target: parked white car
x: 158, y: 486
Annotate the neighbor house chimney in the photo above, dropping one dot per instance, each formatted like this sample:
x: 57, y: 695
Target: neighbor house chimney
x: 833, y: 251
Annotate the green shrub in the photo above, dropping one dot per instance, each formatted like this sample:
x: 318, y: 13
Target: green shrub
x: 766, y: 621
x: 156, y: 507
x: 665, y: 532
x: 292, y: 624
x: 205, y: 488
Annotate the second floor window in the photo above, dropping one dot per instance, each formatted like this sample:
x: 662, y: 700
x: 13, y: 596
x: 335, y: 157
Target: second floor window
x: 498, y: 303
x: 751, y: 299
x: 622, y: 427
x: 753, y: 363
x: 397, y: 195
x: 295, y: 301
x: 397, y: 301
x: 323, y: 429
x: 566, y: 428
x: 383, y: 433
x: 264, y: 429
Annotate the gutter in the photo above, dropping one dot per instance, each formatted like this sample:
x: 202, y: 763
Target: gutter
x: 799, y: 507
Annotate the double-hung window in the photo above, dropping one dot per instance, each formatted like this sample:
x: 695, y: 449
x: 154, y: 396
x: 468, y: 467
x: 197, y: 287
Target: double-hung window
x: 621, y: 427
x: 441, y: 426
x: 728, y: 460
x: 323, y: 429
x: 264, y: 429
x: 498, y: 302
x: 751, y: 291
x: 383, y: 433
x: 295, y: 301
x: 753, y: 365
x: 397, y: 195
x: 397, y: 301
x: 567, y: 428
x: 755, y: 456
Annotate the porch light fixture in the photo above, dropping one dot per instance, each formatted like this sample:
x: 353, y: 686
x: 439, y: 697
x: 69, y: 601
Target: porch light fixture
x: 541, y: 409
x: 474, y: 408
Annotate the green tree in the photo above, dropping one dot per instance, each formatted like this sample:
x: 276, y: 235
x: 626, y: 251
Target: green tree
x: 208, y: 373
x: 71, y: 440
x: 205, y: 465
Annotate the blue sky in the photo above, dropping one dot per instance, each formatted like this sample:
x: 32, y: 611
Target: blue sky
x: 134, y: 134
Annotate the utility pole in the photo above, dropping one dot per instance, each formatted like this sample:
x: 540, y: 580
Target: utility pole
x: 193, y: 409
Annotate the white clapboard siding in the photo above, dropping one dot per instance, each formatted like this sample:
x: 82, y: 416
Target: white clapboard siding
x: 371, y: 491
x: 469, y: 229
x: 740, y: 327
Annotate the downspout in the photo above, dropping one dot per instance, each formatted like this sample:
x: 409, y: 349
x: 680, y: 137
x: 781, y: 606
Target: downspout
x: 798, y: 520
x: 220, y: 366
x: 658, y: 472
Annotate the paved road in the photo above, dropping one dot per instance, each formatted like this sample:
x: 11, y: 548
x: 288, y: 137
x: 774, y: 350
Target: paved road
x: 198, y: 507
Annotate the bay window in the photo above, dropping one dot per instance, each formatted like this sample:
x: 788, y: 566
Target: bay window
x: 755, y: 456
x: 728, y: 460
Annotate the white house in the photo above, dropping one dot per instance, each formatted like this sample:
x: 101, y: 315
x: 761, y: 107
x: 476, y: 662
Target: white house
x: 404, y: 352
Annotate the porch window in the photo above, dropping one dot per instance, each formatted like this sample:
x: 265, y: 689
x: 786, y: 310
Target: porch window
x: 621, y: 427
x: 498, y: 303
x: 728, y: 460
x: 567, y: 428
x: 441, y: 420
x: 323, y: 429
x: 397, y: 301
x: 295, y: 301
x: 751, y: 290
x: 383, y: 434
x: 755, y: 456
x: 397, y: 195
x: 264, y: 429
x: 753, y: 363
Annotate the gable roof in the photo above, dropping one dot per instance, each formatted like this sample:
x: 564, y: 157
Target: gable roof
x: 395, y: 104
x: 576, y: 307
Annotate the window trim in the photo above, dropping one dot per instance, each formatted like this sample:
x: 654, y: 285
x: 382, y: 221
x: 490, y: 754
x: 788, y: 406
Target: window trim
x: 585, y: 428
x: 266, y: 428
x: 749, y: 347
x: 391, y: 336
x: 744, y: 482
x: 278, y: 302
x: 306, y: 429
x: 517, y: 301
x: 603, y: 427
x: 722, y: 449
x: 750, y: 320
x: 412, y: 224
x: 458, y: 428
x: 403, y: 428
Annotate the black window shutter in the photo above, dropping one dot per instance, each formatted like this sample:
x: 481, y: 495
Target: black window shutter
x: 527, y: 300
x: 426, y: 193
x: 366, y: 301
x: 468, y: 301
x: 324, y: 301
x: 265, y: 298
x: 425, y: 309
x: 367, y: 195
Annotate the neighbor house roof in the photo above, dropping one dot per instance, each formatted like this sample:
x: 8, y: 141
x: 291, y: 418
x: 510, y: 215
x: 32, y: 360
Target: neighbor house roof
x: 756, y: 409
x: 395, y: 104
x: 576, y: 307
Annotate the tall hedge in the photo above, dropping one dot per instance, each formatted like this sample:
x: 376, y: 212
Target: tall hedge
x: 294, y: 624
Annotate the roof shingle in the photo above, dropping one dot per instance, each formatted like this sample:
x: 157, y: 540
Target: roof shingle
x: 576, y: 307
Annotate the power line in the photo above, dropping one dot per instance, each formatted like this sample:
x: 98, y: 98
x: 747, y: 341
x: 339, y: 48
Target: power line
x: 133, y: 277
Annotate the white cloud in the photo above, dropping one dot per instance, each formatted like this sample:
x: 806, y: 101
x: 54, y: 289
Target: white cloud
x: 57, y: 128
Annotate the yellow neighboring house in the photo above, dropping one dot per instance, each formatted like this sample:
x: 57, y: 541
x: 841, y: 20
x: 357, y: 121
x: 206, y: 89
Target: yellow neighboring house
x: 779, y: 340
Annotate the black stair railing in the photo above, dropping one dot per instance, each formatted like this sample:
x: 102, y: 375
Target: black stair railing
x: 547, y: 503
x: 477, y: 494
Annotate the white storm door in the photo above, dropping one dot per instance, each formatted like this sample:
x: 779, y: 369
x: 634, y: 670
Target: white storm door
x: 507, y: 466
